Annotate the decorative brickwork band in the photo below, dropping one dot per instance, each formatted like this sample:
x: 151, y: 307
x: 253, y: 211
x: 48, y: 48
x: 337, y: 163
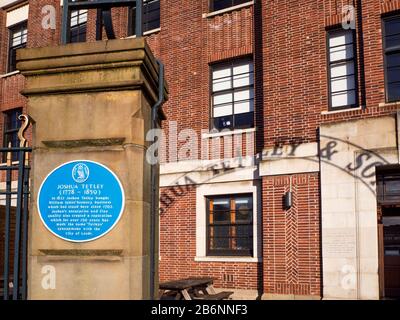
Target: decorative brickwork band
x: 390, y: 6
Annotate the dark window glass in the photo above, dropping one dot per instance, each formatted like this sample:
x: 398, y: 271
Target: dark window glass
x: 18, y: 39
x: 223, y: 4
x: 388, y: 186
x: 342, y: 69
x: 230, y: 225
x: 232, y: 95
x: 392, y: 58
x: 151, y: 16
x: 78, y: 27
x: 11, y: 127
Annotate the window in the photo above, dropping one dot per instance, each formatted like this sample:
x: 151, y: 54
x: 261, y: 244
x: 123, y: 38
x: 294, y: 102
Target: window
x: 388, y: 185
x: 78, y: 26
x: 342, y: 69
x: 392, y: 58
x: 230, y: 225
x: 151, y: 16
x: 11, y: 127
x: 233, y: 95
x: 18, y: 39
x: 223, y: 4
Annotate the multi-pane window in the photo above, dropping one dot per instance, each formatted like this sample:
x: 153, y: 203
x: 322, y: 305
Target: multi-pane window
x: 151, y: 16
x: 10, y: 132
x: 230, y: 225
x: 223, y: 4
x: 18, y: 39
x: 78, y: 27
x: 392, y: 58
x: 342, y: 69
x: 233, y: 95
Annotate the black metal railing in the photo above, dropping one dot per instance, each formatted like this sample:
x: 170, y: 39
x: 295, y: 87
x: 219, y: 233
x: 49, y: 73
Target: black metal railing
x: 14, y: 202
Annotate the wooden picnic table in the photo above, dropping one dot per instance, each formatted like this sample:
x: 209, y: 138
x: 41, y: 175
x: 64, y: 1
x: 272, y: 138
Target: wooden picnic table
x: 192, y: 289
x: 10, y: 286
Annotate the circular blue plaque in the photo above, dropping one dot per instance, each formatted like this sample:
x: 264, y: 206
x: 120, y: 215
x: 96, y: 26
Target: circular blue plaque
x: 81, y: 201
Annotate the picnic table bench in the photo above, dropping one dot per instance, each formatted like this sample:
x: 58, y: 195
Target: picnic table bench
x: 192, y: 289
x: 10, y: 287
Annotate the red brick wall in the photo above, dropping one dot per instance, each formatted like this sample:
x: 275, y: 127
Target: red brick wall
x: 288, y: 41
x: 295, y: 69
x: 291, y: 239
x: 294, y: 61
x: 11, y: 86
x: 389, y: 5
x: 178, y: 249
x: 3, y: 43
x: 187, y: 44
x: 37, y: 36
x: 373, y: 85
x: 294, y: 74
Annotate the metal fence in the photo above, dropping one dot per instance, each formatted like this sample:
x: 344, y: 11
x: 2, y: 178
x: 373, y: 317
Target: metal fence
x: 14, y: 203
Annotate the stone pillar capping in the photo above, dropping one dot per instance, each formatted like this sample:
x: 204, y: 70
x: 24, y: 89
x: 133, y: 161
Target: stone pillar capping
x: 92, y: 102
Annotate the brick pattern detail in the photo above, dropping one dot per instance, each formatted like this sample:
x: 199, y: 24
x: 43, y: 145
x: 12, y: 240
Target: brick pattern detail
x: 390, y: 6
x: 294, y: 75
x: 291, y: 241
x: 225, y: 36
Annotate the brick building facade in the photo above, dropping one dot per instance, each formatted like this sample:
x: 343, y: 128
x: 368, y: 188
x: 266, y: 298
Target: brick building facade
x: 283, y: 202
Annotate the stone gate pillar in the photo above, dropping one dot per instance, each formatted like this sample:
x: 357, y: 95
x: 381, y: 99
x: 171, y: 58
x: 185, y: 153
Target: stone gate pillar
x: 90, y: 227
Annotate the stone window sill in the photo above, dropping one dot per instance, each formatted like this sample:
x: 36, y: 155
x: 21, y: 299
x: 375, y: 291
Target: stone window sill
x: 9, y: 74
x: 147, y: 33
x: 4, y: 164
x: 219, y: 12
x: 341, y: 111
x: 226, y: 133
x: 228, y: 259
x: 389, y: 104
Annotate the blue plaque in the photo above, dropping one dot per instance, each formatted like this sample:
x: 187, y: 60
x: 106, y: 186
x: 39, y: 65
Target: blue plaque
x: 81, y: 201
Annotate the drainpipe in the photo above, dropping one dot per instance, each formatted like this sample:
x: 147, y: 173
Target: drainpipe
x: 153, y: 209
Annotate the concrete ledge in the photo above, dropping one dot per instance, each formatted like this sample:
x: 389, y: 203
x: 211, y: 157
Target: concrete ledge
x: 205, y: 165
x: 66, y: 144
x: 80, y: 253
x: 9, y: 74
x: 228, y: 259
x: 121, y: 64
x: 272, y: 296
x: 227, y: 133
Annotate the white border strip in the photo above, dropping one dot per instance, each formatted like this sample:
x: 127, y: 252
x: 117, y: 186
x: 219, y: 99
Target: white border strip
x: 17, y: 15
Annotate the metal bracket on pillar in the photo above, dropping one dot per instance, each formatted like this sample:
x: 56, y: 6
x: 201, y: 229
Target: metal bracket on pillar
x: 107, y: 21
x: 139, y: 18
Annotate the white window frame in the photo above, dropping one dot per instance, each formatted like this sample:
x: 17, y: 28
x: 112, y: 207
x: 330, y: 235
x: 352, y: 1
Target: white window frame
x: 229, y: 96
x: 345, y: 61
x: 216, y: 189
